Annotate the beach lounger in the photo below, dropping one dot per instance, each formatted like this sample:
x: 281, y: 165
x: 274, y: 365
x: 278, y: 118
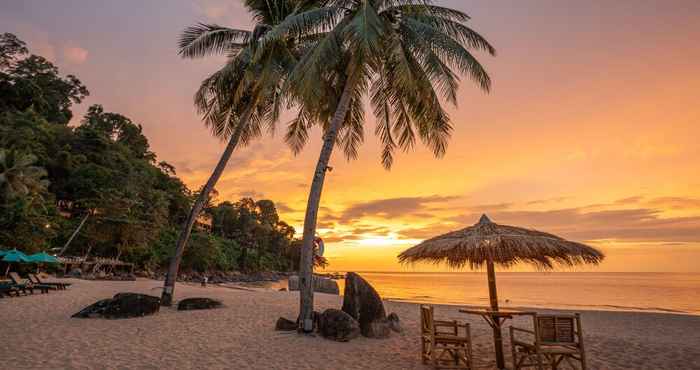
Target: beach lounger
x: 34, y: 281
x: 34, y: 278
x: 12, y: 288
x: 8, y: 290
x: 443, y: 344
x: 27, y: 285
x: 553, y: 340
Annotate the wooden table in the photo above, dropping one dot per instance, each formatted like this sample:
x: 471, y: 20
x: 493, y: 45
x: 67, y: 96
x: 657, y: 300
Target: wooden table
x: 495, y: 319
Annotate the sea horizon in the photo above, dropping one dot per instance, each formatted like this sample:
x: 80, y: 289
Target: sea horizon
x: 662, y: 292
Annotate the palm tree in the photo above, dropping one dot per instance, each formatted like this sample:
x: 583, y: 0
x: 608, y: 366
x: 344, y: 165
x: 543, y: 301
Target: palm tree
x: 241, y: 99
x: 19, y: 176
x: 406, y: 54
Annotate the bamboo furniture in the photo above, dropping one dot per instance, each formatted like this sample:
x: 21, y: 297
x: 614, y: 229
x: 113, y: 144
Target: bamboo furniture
x: 553, y: 340
x: 491, y: 244
x: 443, y: 344
x: 495, y: 319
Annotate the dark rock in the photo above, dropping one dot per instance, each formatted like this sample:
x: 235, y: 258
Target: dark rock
x: 363, y: 303
x: 321, y: 284
x: 379, y: 329
x: 121, y: 306
x: 285, y: 324
x: 338, y: 325
x: 394, y: 322
x: 326, y: 285
x: 198, y: 304
x: 94, y: 310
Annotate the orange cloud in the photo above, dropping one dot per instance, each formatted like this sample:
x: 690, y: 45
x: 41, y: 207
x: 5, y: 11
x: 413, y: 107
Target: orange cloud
x: 75, y: 54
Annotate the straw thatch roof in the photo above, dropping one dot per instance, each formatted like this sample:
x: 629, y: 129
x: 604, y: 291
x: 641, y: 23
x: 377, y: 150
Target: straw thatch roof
x: 506, y: 245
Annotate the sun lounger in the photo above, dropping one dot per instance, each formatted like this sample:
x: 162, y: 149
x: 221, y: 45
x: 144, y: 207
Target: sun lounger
x: 27, y: 285
x: 8, y: 290
x: 34, y: 278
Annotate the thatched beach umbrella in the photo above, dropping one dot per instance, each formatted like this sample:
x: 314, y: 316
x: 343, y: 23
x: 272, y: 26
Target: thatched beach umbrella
x: 493, y: 244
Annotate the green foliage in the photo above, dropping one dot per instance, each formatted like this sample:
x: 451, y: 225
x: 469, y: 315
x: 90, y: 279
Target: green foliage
x: 104, y: 168
x: 34, y: 82
x: 260, y: 236
x: 405, y: 55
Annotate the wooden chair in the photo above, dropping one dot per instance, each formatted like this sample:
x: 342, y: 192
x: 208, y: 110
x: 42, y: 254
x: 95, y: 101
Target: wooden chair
x: 554, y: 339
x: 443, y: 344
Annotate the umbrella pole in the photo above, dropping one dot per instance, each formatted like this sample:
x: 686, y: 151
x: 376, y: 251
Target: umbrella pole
x: 493, y: 296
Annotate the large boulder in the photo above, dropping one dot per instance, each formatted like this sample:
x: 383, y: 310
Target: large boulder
x: 338, y: 325
x: 394, y: 322
x: 121, y: 306
x: 198, y: 304
x: 321, y: 284
x: 364, y: 304
x: 326, y: 285
x: 285, y: 325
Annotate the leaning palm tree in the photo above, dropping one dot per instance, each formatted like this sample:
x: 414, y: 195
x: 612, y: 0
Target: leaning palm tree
x: 241, y: 99
x: 406, y: 54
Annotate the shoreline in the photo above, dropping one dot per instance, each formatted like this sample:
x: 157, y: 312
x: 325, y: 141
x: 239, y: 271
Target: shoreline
x: 241, y: 334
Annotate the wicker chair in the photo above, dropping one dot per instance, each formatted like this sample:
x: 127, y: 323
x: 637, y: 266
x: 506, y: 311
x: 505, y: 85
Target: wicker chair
x: 443, y: 344
x: 554, y: 339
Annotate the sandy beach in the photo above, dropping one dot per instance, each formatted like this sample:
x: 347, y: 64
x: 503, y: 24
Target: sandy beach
x: 38, y: 333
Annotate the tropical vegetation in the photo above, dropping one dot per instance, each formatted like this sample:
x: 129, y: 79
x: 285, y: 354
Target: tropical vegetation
x: 53, y: 175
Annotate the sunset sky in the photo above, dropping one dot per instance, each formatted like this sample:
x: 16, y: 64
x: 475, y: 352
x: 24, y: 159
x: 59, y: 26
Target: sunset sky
x: 591, y: 130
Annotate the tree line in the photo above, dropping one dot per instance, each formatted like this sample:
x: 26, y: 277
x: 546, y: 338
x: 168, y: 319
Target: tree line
x: 54, y: 175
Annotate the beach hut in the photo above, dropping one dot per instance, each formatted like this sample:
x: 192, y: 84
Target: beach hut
x: 490, y: 244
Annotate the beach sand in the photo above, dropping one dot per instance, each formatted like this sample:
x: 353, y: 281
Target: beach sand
x: 38, y: 333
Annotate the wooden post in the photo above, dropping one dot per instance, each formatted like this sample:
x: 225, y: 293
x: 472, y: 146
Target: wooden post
x: 493, y: 297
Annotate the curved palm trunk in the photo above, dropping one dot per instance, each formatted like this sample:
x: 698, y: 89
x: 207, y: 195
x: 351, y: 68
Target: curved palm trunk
x: 169, y: 287
x: 306, y: 290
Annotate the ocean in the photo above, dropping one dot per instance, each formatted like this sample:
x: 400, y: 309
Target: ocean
x: 650, y: 292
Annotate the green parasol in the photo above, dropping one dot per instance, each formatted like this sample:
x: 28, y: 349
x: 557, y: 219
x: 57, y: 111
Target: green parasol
x: 15, y: 256
x: 42, y: 257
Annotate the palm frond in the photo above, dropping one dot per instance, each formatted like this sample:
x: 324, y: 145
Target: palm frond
x: 209, y: 39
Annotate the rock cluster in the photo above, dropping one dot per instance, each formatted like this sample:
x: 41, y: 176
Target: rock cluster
x: 362, y: 314
x: 321, y: 285
x: 365, y: 305
x: 337, y: 325
x: 121, y: 306
x: 198, y: 304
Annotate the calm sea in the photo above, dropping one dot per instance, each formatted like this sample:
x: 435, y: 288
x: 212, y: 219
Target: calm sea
x: 657, y: 292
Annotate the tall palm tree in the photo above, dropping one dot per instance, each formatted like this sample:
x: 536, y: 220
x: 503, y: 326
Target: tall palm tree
x: 241, y: 99
x: 407, y: 55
